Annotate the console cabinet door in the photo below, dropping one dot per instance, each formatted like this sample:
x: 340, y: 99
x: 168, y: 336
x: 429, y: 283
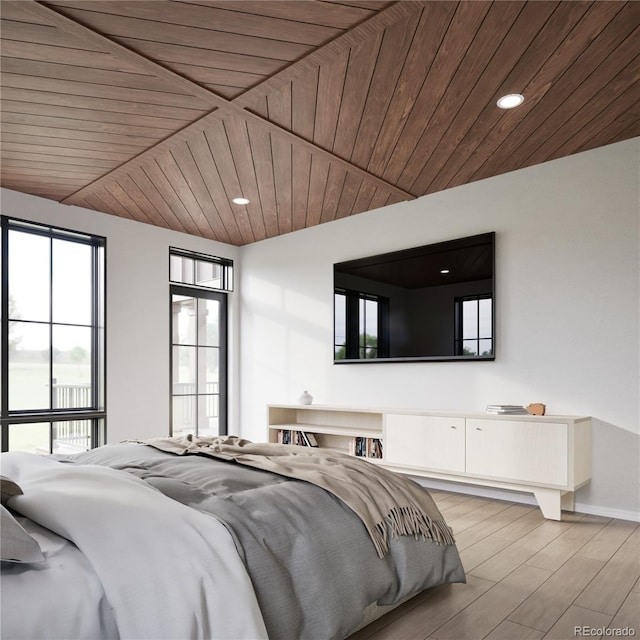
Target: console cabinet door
x: 517, y: 450
x: 424, y: 441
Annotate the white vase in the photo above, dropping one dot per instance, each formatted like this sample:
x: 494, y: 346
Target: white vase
x: 305, y: 397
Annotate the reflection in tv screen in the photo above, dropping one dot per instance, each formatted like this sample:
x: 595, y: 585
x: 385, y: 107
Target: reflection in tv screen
x: 434, y: 302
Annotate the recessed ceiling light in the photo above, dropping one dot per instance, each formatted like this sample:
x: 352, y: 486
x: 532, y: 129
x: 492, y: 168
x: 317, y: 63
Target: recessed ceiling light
x: 241, y: 200
x: 510, y: 101
x: 444, y: 270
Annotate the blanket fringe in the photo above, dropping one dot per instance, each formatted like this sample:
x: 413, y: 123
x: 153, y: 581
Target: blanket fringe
x: 403, y: 521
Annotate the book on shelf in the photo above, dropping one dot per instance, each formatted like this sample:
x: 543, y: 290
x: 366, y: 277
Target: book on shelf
x: 308, y: 439
x: 358, y: 447
x: 362, y: 447
x: 300, y: 438
x: 374, y: 448
x: 506, y: 409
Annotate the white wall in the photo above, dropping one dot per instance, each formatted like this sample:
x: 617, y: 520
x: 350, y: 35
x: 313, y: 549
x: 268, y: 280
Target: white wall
x: 567, y: 302
x: 137, y: 310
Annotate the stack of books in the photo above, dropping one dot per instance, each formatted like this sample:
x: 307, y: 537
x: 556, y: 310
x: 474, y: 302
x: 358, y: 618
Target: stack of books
x: 505, y: 409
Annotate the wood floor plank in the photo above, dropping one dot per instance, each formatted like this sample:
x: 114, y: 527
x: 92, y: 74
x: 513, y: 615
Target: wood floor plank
x: 609, y: 589
x: 568, y: 543
x: 634, y: 538
x: 452, y: 511
x: 628, y: 616
x: 483, y: 615
x: 522, y: 526
x: 546, y: 605
x: 509, y: 630
x: 482, y: 551
x: 608, y: 540
x: 476, y: 516
x: 504, y: 562
x: 487, y: 527
x: 488, y: 547
x: 574, y: 618
x: 452, y: 499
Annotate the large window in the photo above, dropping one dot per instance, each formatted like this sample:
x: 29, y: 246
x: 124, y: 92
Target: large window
x: 361, y: 325
x: 52, y: 339
x: 199, y: 343
x: 474, y: 326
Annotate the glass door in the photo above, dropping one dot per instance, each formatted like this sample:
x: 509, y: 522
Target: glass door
x: 198, y: 362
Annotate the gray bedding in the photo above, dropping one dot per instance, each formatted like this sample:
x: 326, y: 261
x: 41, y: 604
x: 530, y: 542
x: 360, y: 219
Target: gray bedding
x: 312, y: 564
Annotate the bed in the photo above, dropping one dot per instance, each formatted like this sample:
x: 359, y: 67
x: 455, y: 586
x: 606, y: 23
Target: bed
x: 143, y: 540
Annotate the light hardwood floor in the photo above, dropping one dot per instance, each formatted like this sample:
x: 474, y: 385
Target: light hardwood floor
x: 527, y: 578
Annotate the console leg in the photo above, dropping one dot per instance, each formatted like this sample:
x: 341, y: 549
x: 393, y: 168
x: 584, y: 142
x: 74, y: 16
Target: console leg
x: 567, y: 502
x: 550, y: 502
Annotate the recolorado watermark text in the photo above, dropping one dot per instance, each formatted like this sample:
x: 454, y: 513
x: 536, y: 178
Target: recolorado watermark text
x: 604, y: 633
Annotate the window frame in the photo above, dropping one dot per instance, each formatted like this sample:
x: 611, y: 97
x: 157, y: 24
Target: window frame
x: 225, y: 264
x: 459, y: 340
x: 352, y: 345
x: 221, y: 297
x: 191, y: 289
x: 96, y: 412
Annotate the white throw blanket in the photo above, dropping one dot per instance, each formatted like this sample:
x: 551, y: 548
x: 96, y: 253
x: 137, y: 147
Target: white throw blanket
x: 168, y: 571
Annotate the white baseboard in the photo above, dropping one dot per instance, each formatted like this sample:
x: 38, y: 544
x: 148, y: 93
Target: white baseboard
x: 618, y: 514
x: 522, y: 497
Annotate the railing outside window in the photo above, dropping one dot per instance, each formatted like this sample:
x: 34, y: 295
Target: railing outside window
x: 71, y: 435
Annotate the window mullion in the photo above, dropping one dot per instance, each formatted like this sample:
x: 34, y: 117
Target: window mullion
x: 95, y: 313
x: 50, y: 326
x: 4, y: 312
x: 353, y: 325
x: 478, y: 326
x: 4, y: 333
x: 197, y: 389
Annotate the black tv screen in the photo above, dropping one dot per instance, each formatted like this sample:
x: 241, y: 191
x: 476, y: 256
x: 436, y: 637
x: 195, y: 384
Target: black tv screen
x: 434, y: 302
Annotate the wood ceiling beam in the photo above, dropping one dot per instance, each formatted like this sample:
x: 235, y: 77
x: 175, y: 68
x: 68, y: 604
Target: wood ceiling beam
x: 221, y: 105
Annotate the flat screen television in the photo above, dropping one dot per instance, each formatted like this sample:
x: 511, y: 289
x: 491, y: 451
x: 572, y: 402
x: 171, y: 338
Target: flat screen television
x: 428, y: 303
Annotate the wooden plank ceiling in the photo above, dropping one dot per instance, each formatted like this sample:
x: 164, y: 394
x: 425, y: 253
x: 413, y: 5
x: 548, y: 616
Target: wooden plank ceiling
x: 164, y: 111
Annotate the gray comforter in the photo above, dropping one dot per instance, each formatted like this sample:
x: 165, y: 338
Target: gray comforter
x: 312, y: 564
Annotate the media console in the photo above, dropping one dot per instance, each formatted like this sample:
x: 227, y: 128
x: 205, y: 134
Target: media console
x: 549, y: 456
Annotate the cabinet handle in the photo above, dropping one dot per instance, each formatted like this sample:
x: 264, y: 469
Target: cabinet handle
x: 478, y: 428
x: 453, y: 427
